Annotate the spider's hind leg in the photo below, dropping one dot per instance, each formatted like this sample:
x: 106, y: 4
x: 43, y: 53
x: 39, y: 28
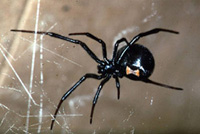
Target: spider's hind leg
x: 160, y: 84
x: 153, y: 31
x: 137, y: 37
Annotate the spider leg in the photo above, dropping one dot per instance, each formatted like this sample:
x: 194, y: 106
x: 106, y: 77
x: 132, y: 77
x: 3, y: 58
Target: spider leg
x: 153, y: 31
x: 118, y: 87
x: 116, y: 47
x: 136, y: 38
x: 160, y: 84
x: 55, y: 35
x: 97, y: 95
x: 71, y: 90
x: 96, y: 39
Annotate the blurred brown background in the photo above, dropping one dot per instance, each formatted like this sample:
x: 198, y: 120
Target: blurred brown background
x: 57, y: 65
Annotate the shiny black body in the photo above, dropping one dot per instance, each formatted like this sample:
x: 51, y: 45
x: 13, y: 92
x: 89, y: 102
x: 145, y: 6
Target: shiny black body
x: 133, y: 61
x: 136, y: 57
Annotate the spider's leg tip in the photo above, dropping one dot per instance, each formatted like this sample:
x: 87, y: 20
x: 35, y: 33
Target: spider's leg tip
x: 177, y: 88
x: 13, y: 30
x: 91, y: 121
x: 118, y: 97
x: 51, y: 127
x: 176, y: 32
x: 180, y: 88
x: 72, y: 34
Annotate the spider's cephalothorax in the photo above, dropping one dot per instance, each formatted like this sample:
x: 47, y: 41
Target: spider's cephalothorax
x: 109, y: 68
x: 105, y: 68
x: 132, y: 61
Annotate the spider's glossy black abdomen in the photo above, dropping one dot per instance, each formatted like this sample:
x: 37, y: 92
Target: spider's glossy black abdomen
x: 137, y: 63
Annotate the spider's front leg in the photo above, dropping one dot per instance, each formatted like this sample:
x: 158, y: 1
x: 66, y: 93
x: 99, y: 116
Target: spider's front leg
x: 96, y: 39
x: 94, y: 76
x: 55, y: 35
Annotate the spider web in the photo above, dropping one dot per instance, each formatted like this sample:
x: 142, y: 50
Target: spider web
x: 33, y: 91
x: 28, y: 88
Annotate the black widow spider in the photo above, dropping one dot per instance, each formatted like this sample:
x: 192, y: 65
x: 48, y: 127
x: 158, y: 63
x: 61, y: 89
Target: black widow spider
x: 133, y: 61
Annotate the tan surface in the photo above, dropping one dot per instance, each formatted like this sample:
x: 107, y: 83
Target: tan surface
x: 142, y: 108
